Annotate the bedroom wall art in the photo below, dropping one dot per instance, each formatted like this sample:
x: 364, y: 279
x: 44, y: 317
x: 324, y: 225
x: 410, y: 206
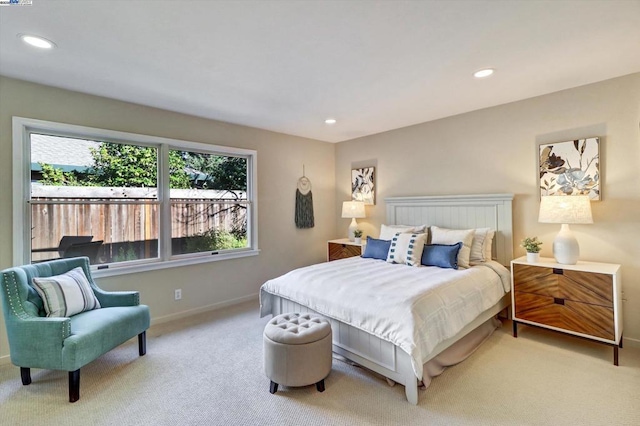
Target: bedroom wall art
x: 304, y: 203
x: 570, y: 168
x: 363, y: 185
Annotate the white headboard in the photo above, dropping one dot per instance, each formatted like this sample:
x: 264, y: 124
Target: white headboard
x: 459, y: 212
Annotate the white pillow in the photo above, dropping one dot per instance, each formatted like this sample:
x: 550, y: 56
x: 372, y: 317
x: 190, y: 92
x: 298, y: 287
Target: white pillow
x: 452, y: 236
x: 488, y: 244
x: 482, y: 239
x: 67, y: 294
x: 407, y: 248
x: 387, y: 232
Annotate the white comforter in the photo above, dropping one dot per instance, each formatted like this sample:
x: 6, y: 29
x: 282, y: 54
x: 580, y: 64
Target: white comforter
x: 413, y: 308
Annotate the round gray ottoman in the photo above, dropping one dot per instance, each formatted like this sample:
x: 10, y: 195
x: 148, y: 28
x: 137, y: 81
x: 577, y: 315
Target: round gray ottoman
x: 297, y: 350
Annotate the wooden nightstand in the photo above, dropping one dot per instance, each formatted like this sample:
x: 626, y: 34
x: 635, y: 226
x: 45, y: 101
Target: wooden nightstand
x: 583, y: 300
x: 343, y: 248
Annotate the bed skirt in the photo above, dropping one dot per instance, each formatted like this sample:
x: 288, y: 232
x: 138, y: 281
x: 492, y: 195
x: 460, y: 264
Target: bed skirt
x: 459, y: 351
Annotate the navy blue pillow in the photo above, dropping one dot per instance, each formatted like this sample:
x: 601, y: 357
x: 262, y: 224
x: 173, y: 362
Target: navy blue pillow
x: 376, y: 249
x: 441, y: 255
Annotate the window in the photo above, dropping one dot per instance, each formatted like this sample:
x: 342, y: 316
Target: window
x: 129, y: 201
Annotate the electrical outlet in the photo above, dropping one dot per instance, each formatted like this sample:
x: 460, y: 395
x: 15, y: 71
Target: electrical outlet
x: 178, y: 294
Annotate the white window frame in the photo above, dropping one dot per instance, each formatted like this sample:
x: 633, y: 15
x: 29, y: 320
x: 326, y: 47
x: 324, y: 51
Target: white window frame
x: 23, y: 127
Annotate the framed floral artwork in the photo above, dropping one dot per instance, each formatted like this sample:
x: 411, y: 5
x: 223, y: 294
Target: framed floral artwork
x: 570, y: 168
x: 363, y: 185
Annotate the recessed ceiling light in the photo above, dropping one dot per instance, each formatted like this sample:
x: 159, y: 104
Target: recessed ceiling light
x: 483, y: 73
x: 330, y: 121
x: 36, y: 41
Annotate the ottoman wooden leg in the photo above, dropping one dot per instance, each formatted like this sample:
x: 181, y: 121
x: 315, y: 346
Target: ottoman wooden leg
x: 273, y: 388
x: 320, y: 386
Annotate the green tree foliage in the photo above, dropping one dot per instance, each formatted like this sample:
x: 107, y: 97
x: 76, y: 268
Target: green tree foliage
x: 221, y: 172
x: 56, y: 177
x: 134, y: 166
x: 119, y: 165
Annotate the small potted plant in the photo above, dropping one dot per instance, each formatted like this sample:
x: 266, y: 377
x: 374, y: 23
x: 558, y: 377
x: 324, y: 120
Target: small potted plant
x: 532, y: 246
x: 357, y: 234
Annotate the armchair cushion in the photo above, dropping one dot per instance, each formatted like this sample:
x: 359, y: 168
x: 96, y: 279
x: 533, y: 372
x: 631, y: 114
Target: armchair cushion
x: 67, y: 294
x: 100, y: 330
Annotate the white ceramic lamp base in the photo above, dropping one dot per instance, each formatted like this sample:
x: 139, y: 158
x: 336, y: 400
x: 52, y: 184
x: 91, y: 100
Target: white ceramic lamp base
x: 565, y: 247
x: 352, y: 227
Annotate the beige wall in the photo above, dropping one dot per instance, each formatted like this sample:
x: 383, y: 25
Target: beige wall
x: 280, y: 159
x: 494, y: 151
x: 488, y: 151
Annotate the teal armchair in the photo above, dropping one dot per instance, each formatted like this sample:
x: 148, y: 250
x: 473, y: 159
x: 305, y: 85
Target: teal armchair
x: 68, y: 344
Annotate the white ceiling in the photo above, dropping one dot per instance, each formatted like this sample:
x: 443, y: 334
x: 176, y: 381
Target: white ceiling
x: 288, y: 65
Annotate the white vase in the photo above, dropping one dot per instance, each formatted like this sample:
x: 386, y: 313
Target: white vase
x: 533, y: 257
x: 357, y: 240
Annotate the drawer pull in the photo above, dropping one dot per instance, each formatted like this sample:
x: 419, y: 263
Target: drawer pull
x: 558, y: 271
x: 558, y: 301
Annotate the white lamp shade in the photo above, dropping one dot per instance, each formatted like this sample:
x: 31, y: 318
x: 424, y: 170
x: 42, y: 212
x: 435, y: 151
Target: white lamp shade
x: 565, y: 209
x: 353, y: 209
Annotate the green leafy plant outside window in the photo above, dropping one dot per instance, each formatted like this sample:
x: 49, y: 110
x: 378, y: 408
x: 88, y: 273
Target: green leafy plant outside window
x: 214, y: 239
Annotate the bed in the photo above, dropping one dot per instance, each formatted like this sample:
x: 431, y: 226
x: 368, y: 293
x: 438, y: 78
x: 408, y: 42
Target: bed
x: 394, y: 344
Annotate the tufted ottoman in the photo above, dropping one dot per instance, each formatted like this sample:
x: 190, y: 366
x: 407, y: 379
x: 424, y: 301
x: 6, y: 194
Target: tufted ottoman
x: 297, y: 350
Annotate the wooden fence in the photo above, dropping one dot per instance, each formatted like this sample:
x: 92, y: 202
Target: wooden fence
x: 135, y: 223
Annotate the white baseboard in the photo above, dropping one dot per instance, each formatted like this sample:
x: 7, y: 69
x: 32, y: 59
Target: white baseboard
x: 6, y: 359
x: 212, y: 307
x: 628, y: 342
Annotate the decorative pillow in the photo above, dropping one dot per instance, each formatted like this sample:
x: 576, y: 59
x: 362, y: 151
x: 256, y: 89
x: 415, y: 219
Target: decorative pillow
x: 488, y: 245
x: 482, y: 238
x: 407, y: 248
x: 453, y: 236
x: 376, y: 249
x: 67, y: 294
x: 441, y: 255
x: 388, y: 231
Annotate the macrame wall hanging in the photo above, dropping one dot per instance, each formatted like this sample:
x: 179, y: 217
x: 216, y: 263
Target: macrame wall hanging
x: 304, y: 203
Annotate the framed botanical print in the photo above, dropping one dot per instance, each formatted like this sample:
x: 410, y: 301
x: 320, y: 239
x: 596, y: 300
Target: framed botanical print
x: 363, y: 185
x: 570, y: 168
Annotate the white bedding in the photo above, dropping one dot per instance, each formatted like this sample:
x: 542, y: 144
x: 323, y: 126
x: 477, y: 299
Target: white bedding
x: 413, y: 308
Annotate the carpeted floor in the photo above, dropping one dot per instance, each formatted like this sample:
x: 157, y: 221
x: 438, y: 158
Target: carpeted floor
x: 207, y: 370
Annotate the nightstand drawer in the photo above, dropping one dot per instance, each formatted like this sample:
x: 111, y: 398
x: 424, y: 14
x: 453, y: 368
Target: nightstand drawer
x: 578, y: 286
x: 584, y: 318
x: 342, y: 251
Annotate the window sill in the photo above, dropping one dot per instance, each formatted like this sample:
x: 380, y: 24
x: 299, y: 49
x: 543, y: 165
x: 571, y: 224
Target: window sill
x: 157, y: 265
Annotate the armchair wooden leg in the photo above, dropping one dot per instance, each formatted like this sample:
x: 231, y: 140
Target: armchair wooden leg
x: 74, y: 385
x: 25, y: 374
x: 142, y: 343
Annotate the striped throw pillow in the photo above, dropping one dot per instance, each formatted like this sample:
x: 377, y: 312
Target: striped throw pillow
x: 406, y: 249
x: 67, y: 294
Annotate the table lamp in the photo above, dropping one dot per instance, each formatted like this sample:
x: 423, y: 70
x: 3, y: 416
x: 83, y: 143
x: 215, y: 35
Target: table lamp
x: 565, y: 210
x: 353, y: 210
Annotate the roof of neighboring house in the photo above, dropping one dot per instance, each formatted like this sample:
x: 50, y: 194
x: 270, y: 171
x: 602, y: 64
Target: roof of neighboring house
x: 62, y: 152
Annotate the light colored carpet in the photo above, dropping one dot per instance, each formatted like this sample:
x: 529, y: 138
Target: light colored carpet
x: 207, y: 370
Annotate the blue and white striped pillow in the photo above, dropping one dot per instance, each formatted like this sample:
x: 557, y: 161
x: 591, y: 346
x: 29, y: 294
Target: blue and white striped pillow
x: 407, y: 249
x: 67, y: 294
